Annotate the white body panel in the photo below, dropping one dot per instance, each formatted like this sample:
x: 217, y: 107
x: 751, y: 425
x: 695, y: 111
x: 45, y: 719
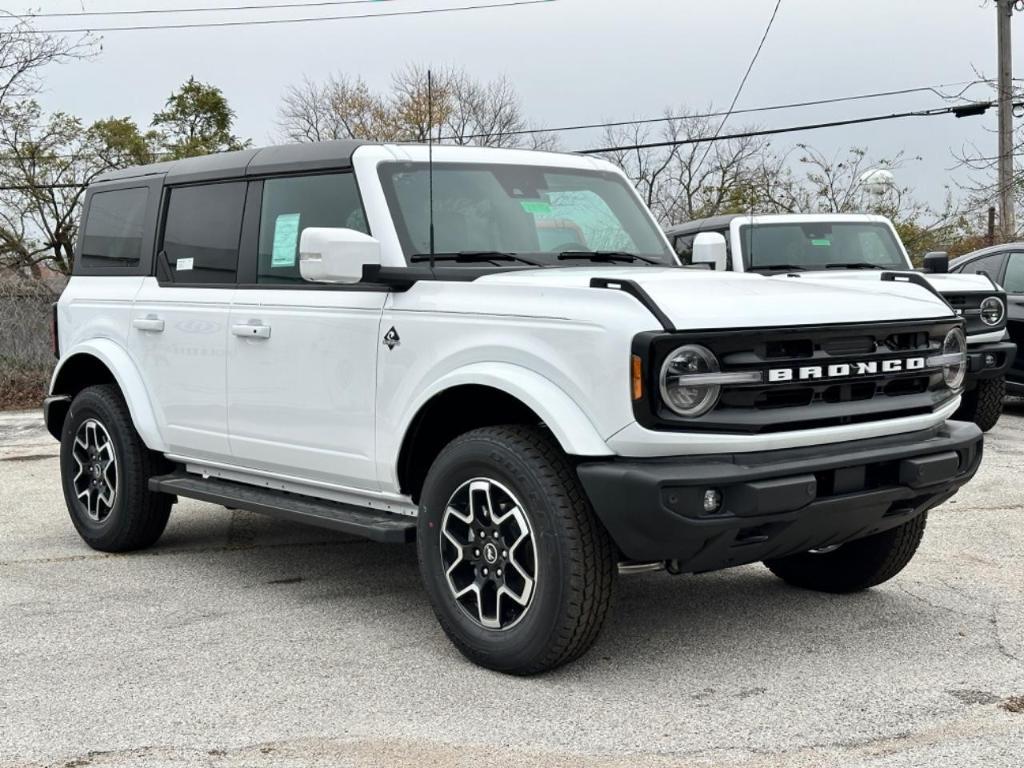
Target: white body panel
x: 184, y: 364
x: 316, y: 403
x: 303, y: 398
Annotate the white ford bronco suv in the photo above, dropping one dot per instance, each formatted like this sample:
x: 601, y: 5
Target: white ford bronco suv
x: 493, y: 353
x: 834, y: 246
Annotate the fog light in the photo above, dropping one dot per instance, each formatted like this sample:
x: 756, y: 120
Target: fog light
x: 712, y: 500
x: 990, y: 361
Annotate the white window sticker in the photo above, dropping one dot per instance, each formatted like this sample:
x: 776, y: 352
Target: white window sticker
x: 286, y: 240
x: 183, y: 265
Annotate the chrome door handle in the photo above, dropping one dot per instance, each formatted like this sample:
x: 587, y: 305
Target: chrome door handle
x: 251, y: 331
x: 152, y: 323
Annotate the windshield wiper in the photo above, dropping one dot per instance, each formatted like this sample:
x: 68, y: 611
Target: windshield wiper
x: 472, y: 257
x: 610, y: 256
x: 780, y: 268
x: 855, y: 265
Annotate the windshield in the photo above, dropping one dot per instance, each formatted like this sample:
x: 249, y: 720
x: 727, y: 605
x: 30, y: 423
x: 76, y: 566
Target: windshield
x: 820, y: 245
x: 540, y: 214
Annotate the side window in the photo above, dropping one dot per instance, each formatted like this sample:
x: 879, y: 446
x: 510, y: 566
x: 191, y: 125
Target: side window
x: 292, y: 204
x: 991, y: 265
x: 201, y: 232
x: 1014, y: 280
x: 684, y: 248
x: 114, y: 228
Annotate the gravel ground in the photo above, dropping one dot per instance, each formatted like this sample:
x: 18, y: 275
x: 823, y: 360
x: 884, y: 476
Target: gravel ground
x: 239, y: 641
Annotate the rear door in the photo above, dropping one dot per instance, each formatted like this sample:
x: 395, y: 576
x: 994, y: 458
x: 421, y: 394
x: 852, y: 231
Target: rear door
x: 302, y: 356
x: 1013, y: 282
x: 179, y: 325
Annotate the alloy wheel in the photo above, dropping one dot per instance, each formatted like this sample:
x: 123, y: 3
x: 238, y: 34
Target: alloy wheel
x: 95, y: 479
x: 488, y: 553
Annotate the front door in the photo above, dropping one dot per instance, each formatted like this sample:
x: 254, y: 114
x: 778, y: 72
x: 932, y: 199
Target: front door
x: 179, y: 325
x: 302, y: 357
x: 1013, y: 282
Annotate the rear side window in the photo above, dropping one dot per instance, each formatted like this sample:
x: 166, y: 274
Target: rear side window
x: 289, y: 206
x: 201, y: 232
x: 114, y: 228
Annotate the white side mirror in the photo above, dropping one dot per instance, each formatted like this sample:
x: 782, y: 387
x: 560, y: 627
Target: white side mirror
x: 709, y: 248
x: 334, y: 255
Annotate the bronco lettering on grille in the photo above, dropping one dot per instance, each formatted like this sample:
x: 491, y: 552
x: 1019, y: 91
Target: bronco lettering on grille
x: 845, y: 370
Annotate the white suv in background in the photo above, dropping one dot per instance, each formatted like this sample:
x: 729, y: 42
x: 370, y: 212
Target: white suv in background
x: 832, y: 246
x: 495, y: 354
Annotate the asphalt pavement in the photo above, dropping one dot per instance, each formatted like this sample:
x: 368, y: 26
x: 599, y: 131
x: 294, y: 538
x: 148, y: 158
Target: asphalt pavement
x: 240, y: 641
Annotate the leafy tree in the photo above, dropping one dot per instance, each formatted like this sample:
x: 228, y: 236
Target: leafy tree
x: 196, y: 120
x: 49, y: 160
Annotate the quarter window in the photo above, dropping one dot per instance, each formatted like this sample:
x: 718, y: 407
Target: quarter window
x: 201, y: 232
x: 293, y: 204
x: 114, y: 227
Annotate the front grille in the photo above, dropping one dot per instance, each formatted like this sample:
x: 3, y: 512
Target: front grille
x: 852, y: 376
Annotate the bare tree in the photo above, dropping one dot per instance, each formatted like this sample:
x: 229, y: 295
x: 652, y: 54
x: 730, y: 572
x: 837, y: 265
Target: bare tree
x: 339, y: 108
x: 24, y: 51
x: 460, y: 110
x: 684, y: 180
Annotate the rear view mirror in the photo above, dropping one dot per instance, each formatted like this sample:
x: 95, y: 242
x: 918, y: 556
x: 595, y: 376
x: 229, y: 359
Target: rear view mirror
x: 709, y: 248
x: 334, y: 255
x: 936, y: 262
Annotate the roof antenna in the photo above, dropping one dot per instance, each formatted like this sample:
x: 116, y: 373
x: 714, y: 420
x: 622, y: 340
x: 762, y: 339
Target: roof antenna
x: 430, y: 158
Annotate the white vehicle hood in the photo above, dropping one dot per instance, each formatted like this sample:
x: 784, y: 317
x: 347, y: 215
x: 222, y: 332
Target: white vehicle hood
x: 695, y: 298
x: 943, y: 283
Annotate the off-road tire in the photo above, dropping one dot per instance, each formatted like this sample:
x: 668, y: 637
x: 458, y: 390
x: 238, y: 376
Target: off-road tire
x: 861, y: 564
x: 984, y: 404
x: 576, y: 559
x: 138, y: 516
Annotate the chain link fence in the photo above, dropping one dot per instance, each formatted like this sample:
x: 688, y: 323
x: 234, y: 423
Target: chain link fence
x: 26, y: 351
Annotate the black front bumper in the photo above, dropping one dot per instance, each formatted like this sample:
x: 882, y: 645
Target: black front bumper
x: 776, y: 503
x: 986, y: 361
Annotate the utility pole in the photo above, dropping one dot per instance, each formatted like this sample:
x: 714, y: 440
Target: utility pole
x: 1007, y: 222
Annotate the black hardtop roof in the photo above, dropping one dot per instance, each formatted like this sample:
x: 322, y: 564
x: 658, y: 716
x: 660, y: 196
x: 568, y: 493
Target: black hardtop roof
x: 283, y: 158
x: 703, y: 225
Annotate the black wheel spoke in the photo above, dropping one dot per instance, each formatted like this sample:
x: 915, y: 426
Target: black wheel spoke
x: 488, y: 553
x: 95, y: 478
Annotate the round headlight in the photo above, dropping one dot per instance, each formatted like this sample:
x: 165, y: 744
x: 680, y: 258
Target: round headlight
x: 684, y: 397
x: 954, y: 346
x: 992, y: 310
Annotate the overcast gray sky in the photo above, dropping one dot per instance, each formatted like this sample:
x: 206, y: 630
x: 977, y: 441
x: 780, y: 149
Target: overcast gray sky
x: 580, y: 61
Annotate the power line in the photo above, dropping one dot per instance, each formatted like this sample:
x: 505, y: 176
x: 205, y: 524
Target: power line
x: 749, y: 110
x: 962, y: 110
x: 300, y: 20
x: 643, y: 121
x: 743, y: 82
x: 149, y: 11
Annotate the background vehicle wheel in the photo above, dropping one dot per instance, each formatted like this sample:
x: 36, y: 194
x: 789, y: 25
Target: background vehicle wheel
x: 518, y: 569
x: 984, y: 404
x: 855, y: 566
x: 105, y: 468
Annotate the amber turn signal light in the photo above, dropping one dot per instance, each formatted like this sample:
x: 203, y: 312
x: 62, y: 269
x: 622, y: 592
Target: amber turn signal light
x: 638, y: 378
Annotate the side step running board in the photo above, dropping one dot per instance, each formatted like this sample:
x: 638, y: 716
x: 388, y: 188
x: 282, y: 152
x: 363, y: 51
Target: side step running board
x: 357, y: 521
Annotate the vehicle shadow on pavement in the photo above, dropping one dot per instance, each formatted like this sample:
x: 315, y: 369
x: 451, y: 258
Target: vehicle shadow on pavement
x: 739, y: 616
